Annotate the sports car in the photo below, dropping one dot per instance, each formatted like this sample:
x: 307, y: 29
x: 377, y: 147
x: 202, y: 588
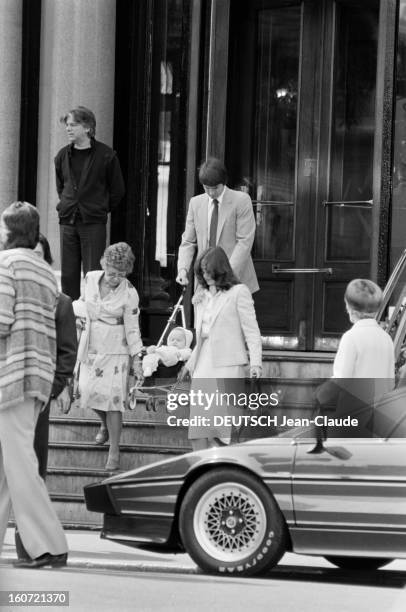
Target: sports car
x: 237, y: 509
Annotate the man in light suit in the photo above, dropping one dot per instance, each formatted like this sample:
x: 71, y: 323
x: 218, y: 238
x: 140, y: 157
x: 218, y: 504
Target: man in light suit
x: 219, y: 217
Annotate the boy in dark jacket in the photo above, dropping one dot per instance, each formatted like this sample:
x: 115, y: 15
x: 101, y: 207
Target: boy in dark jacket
x: 90, y: 184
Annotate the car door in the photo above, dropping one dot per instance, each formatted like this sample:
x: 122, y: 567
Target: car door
x: 354, y: 491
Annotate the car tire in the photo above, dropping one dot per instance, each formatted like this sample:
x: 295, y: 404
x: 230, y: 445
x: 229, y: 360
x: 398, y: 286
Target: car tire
x: 358, y: 563
x: 230, y: 523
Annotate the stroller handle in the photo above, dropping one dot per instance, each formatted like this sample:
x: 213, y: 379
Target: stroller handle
x: 172, y: 319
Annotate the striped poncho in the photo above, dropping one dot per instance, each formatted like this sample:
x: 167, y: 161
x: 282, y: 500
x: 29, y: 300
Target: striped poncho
x: 28, y: 292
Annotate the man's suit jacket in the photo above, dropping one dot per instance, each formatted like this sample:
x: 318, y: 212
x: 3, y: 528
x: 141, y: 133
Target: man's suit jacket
x: 235, y: 233
x: 233, y: 329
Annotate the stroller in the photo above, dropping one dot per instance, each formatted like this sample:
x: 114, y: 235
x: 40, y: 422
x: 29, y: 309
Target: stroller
x: 152, y: 391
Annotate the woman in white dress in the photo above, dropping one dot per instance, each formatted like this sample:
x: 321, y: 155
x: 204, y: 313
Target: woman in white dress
x: 110, y: 343
x: 228, y: 342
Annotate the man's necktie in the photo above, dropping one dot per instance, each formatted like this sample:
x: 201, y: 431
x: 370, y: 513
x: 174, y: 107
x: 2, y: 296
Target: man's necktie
x: 213, y: 224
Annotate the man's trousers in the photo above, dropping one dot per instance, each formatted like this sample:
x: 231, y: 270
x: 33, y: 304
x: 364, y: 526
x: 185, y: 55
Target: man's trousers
x: 22, y: 487
x: 82, y: 244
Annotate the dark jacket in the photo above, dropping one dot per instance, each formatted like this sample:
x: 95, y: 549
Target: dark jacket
x: 100, y: 189
x: 66, y: 343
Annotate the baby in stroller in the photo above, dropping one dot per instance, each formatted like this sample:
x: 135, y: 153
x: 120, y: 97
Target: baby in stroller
x: 177, y: 349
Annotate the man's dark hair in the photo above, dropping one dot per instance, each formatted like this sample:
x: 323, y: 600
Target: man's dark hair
x: 46, y: 249
x: 212, y: 172
x: 84, y: 116
x: 216, y: 263
x: 22, y: 222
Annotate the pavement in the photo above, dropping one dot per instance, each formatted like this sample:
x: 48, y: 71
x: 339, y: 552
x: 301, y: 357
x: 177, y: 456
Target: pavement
x: 88, y: 550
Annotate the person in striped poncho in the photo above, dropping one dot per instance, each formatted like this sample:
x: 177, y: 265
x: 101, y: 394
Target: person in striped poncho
x: 28, y: 293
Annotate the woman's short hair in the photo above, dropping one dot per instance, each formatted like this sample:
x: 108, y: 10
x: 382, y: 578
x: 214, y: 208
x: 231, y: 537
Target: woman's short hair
x: 84, y: 116
x: 364, y: 296
x: 213, y: 172
x: 22, y: 222
x: 216, y: 263
x: 46, y: 249
x: 119, y: 256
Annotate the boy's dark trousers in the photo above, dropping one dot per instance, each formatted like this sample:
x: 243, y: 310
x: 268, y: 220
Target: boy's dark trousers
x: 82, y: 244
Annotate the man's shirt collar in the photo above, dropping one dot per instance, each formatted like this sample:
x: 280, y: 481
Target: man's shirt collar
x: 219, y: 199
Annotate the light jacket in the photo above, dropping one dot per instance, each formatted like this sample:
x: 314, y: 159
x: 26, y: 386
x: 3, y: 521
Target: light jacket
x: 235, y: 233
x: 234, y: 337
x: 28, y: 293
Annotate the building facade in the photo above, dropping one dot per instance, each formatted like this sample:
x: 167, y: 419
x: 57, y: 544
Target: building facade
x: 305, y: 100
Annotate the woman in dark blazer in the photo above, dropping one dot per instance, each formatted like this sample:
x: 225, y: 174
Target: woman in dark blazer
x: 228, y: 342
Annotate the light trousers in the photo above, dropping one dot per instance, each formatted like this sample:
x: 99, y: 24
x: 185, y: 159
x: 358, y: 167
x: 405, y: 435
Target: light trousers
x: 22, y: 488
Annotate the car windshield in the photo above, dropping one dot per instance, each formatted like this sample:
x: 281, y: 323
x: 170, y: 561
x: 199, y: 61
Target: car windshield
x: 381, y: 419
x: 392, y: 313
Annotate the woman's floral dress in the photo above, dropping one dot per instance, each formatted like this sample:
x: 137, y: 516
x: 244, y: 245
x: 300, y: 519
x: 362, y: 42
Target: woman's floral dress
x: 110, y: 337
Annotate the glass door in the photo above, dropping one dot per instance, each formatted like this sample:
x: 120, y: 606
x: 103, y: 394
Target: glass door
x: 300, y: 140
x: 344, y: 195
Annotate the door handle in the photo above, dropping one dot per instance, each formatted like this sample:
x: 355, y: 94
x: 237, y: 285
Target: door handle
x: 258, y: 214
x: 353, y: 203
x: 276, y: 269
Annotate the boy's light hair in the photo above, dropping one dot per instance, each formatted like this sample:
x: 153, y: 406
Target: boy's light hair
x: 364, y: 297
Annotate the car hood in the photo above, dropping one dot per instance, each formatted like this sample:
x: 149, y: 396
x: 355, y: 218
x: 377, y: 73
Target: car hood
x: 260, y: 456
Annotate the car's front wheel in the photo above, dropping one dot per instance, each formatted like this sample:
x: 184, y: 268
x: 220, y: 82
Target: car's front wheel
x: 230, y: 523
x: 358, y: 563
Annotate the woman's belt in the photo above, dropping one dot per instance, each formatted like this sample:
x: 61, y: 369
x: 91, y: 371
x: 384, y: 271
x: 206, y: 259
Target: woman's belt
x: 118, y: 321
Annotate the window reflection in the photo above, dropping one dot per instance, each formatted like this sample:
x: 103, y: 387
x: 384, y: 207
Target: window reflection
x: 349, y: 227
x: 274, y: 233
x: 167, y: 98
x: 164, y: 158
x: 399, y: 153
x: 273, y: 187
x: 353, y: 121
x: 276, y: 111
x: 349, y: 231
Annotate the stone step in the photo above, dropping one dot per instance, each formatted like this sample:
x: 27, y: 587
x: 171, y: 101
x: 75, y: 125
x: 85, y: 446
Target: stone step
x: 79, y: 454
x: 297, y: 364
x: 68, y: 429
x: 72, y: 512
x: 150, y: 411
x: 70, y: 481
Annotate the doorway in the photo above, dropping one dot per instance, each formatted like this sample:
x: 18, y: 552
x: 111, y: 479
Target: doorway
x: 300, y: 138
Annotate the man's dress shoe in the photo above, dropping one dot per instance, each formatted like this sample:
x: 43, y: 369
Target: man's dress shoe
x: 44, y: 560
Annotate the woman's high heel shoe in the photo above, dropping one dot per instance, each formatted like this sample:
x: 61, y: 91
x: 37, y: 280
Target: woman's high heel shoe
x: 102, y: 435
x: 113, y: 463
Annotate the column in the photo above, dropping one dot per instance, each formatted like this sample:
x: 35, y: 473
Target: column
x: 76, y: 68
x: 10, y: 96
